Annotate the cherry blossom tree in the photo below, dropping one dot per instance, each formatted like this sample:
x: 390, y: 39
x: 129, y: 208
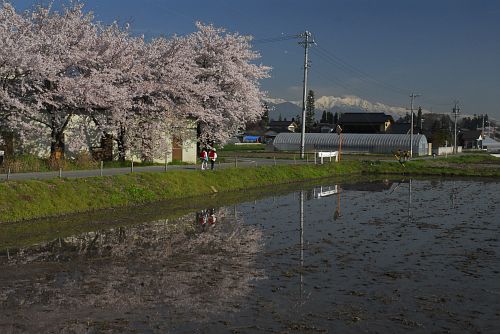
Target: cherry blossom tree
x: 232, y: 95
x: 56, y: 75
x: 62, y: 71
x: 14, y: 61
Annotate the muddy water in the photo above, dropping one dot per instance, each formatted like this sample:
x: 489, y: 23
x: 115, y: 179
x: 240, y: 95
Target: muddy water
x: 387, y: 256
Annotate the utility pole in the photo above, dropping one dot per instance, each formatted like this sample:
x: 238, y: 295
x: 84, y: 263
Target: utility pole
x: 412, y: 97
x: 456, y: 110
x: 483, y: 135
x: 307, y: 36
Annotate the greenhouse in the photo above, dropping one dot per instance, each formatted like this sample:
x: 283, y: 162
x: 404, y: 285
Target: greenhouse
x: 353, y: 142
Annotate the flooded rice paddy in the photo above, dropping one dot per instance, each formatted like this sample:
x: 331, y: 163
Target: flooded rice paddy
x: 386, y: 256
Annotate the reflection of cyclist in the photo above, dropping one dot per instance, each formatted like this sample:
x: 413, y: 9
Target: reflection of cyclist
x: 211, y: 217
x: 202, y: 218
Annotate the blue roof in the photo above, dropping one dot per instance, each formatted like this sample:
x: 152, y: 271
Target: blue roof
x: 249, y: 138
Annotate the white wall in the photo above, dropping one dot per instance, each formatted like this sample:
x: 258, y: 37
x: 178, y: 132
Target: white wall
x: 446, y: 150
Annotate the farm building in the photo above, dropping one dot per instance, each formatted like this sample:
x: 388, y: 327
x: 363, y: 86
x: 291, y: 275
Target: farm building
x: 352, y: 142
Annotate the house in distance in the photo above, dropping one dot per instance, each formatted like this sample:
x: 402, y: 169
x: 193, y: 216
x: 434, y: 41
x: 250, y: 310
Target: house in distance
x: 365, y: 122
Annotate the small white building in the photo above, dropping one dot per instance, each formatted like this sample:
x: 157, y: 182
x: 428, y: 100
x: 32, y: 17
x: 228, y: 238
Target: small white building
x: 184, y: 150
x: 491, y: 145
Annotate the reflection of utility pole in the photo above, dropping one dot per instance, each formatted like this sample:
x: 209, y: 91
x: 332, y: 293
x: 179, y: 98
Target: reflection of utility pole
x: 336, y: 215
x: 409, y: 202
x: 453, y: 195
x: 307, y: 36
x: 301, y: 243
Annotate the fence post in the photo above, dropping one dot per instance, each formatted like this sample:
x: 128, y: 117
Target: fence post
x: 102, y: 166
x: 315, y: 158
x: 132, y: 167
x: 307, y: 158
x: 60, y: 172
x: 8, y: 174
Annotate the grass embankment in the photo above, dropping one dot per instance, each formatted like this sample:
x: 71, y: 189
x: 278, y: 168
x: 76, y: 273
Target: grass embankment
x: 20, y: 234
x: 21, y: 200
x: 30, y: 163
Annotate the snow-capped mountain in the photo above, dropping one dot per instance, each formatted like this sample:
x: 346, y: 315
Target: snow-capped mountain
x: 354, y: 102
x: 290, y: 109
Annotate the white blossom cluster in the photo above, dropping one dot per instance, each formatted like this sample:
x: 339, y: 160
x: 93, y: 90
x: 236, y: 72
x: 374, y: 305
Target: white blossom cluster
x: 61, y: 68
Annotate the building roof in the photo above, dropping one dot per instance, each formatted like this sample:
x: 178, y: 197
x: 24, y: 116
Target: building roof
x: 399, y: 128
x: 364, y: 117
x: 471, y: 135
x: 279, y: 124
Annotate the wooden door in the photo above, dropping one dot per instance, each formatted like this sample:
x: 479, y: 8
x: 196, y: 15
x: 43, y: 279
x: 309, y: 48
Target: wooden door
x: 177, y: 149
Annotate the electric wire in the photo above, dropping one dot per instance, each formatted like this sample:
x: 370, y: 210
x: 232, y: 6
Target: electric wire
x: 333, y: 60
x: 274, y: 39
x: 354, y: 70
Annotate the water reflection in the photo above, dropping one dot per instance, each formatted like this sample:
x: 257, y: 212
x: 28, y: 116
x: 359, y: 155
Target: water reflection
x: 166, y: 270
x: 397, y: 187
x: 327, y: 191
x: 371, y: 271
x: 301, y: 229
x: 279, y: 264
x: 207, y: 218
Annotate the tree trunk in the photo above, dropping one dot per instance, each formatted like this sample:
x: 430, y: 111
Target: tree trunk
x: 120, y: 140
x: 107, y: 147
x: 57, y: 146
x: 8, y: 144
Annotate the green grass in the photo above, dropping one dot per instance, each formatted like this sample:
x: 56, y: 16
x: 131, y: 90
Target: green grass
x: 21, y: 200
x: 30, y: 163
x: 243, y: 148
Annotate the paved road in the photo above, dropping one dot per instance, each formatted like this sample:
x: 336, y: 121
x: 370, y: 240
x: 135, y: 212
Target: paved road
x: 116, y: 171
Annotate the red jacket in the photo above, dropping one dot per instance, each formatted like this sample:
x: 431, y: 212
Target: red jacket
x: 212, y: 155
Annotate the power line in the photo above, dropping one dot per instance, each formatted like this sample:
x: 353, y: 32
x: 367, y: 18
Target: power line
x: 337, y: 79
x: 274, y: 39
x: 342, y: 64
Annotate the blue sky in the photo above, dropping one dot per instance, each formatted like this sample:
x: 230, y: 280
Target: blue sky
x: 379, y: 50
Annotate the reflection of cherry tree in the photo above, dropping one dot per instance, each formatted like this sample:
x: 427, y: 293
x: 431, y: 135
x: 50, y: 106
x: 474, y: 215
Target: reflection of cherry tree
x: 144, y: 269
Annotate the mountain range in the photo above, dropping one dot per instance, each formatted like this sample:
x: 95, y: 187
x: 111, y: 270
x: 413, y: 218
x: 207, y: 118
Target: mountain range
x: 291, y: 109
